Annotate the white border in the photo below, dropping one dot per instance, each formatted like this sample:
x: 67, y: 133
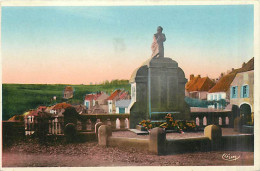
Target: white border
x: 163, y: 2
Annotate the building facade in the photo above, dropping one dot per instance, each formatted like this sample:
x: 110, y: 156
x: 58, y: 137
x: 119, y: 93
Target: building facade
x: 123, y: 106
x: 198, y: 87
x: 242, y: 93
x: 68, y: 92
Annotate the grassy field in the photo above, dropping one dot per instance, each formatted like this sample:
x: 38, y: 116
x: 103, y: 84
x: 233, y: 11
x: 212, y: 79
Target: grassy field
x: 19, y: 98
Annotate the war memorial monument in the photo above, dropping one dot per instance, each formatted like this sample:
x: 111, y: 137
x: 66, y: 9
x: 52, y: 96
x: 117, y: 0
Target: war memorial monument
x: 158, y: 87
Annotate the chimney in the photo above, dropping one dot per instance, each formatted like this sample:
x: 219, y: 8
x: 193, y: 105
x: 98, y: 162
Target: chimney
x: 222, y: 74
x: 243, y: 65
x: 233, y: 69
x: 198, y: 76
x: 191, y: 77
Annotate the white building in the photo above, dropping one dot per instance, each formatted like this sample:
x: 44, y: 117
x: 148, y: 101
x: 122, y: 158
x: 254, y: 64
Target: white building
x: 123, y: 106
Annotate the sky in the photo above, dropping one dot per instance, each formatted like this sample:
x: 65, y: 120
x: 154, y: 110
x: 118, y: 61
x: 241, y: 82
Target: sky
x: 91, y: 44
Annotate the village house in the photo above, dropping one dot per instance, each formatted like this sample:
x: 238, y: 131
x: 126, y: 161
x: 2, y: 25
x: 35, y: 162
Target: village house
x: 221, y: 91
x: 96, y: 102
x: 115, y: 96
x: 99, y: 109
x: 198, y: 87
x: 68, y: 92
x: 41, y: 108
x: 80, y: 108
x: 59, y: 108
x: 125, y: 95
x: 89, y: 101
x: 101, y: 98
x: 49, y: 109
x: 123, y: 106
x: 112, y: 99
x: 242, y: 93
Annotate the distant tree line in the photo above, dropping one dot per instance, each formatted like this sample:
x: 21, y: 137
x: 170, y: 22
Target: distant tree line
x: 115, y: 82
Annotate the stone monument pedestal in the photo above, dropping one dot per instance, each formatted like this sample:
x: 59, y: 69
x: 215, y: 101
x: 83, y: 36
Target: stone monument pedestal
x: 158, y: 88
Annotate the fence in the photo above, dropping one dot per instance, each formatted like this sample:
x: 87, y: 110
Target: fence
x: 12, y: 131
x: 84, y: 123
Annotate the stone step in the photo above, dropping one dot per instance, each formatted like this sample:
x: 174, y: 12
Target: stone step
x: 138, y: 132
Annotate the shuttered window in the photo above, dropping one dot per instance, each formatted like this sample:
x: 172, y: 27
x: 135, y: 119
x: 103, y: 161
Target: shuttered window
x: 244, y: 91
x: 233, y: 92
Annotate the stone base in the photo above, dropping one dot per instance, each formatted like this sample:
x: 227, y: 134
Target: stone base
x: 247, y: 129
x: 140, y: 128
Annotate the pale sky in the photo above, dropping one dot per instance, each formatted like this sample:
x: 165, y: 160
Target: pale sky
x: 79, y: 45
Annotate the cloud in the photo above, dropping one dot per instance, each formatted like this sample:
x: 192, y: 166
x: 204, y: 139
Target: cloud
x: 119, y: 45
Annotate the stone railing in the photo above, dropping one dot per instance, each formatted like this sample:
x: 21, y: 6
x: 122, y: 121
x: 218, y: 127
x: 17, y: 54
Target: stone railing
x: 84, y: 123
x: 87, y: 122
x: 223, y: 118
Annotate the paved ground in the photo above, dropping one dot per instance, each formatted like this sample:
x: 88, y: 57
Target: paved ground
x: 31, y: 154
x: 129, y: 134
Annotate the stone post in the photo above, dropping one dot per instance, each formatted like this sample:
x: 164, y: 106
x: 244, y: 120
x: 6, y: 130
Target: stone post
x: 113, y: 123
x: 104, y: 132
x: 238, y: 124
x: 223, y: 121
x: 83, y: 125
x: 97, y: 125
x: 70, y: 132
x: 201, y: 121
x: 157, y: 142
x: 214, y: 133
x: 122, y: 123
x: 93, y: 124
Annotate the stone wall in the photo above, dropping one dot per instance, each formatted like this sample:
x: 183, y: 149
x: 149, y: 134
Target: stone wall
x: 158, y: 144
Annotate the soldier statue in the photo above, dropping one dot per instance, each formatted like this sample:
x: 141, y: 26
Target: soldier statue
x: 157, y: 45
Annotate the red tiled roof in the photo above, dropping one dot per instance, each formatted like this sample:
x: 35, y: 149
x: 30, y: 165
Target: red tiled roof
x: 41, y: 107
x: 32, y: 113
x: 68, y: 88
x: 92, y: 96
x: 114, y: 94
x: 199, y: 84
x: 247, y: 67
x: 89, y: 96
x: 61, y: 106
x: 224, y: 83
x: 123, y: 95
x: 97, y: 95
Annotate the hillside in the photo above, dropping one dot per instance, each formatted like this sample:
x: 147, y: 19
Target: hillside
x: 19, y: 98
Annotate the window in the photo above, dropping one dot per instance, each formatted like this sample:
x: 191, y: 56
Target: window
x: 215, y: 97
x: 133, y: 92
x: 87, y: 105
x: 219, y: 96
x: 244, y: 91
x: 233, y: 92
x: 121, y: 110
x: 211, y: 97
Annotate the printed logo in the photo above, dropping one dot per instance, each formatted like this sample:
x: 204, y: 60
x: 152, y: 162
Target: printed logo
x: 229, y: 157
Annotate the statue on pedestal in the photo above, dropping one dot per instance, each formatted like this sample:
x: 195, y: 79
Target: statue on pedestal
x: 157, y: 45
